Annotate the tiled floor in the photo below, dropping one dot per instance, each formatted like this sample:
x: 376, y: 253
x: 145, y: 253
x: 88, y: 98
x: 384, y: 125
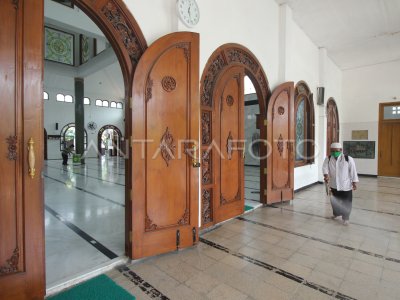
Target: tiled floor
x: 84, y: 217
x: 289, y: 252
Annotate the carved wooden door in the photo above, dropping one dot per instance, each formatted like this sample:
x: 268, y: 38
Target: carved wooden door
x: 165, y: 114
x: 229, y: 137
x: 280, y: 135
x: 21, y: 146
x: 332, y: 125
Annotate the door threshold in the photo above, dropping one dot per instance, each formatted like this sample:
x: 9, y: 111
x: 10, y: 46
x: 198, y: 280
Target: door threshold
x: 61, y: 285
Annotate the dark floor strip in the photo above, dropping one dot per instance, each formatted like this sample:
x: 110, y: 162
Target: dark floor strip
x: 100, y: 169
x: 249, y: 188
x: 85, y: 175
x: 99, y: 246
x: 320, y: 240
x: 86, y: 191
x: 146, y: 287
x: 278, y: 271
x: 323, y: 217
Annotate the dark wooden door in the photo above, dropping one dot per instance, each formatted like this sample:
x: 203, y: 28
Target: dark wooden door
x: 389, y: 137
x: 165, y: 114
x: 21, y: 128
x: 229, y: 137
x: 332, y: 125
x: 280, y: 136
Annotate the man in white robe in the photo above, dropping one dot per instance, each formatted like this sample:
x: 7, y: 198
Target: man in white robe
x: 340, y: 172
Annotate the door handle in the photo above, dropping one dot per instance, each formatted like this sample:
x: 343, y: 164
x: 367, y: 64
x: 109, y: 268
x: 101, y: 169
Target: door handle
x: 195, y: 161
x: 31, y: 158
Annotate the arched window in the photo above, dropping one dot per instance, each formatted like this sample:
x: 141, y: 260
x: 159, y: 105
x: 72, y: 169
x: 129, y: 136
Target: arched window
x: 113, y: 104
x: 99, y: 102
x: 45, y: 96
x: 60, y: 97
x: 304, y: 128
x: 69, y: 98
x: 86, y: 101
x: 332, y: 134
x: 67, y: 136
x: 105, y: 103
x: 119, y: 105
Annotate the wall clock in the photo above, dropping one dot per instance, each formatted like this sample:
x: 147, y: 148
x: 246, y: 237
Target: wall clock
x: 188, y: 12
x: 92, y: 125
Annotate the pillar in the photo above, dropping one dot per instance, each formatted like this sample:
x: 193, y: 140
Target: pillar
x: 79, y: 117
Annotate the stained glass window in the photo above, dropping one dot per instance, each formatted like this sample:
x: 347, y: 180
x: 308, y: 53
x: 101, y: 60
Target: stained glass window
x: 300, y: 134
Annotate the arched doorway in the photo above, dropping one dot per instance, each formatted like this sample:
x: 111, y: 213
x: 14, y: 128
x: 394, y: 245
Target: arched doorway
x: 23, y: 245
x: 67, y: 136
x: 223, y: 76
x: 332, y: 131
x: 305, y: 124
x: 109, y: 141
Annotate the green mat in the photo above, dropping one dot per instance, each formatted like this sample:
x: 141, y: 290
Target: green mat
x: 247, y: 207
x: 100, y: 287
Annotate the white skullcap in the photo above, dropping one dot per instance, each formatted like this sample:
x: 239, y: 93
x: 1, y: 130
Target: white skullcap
x: 336, y: 145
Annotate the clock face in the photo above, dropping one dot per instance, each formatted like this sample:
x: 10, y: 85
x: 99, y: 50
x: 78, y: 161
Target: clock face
x: 189, y: 12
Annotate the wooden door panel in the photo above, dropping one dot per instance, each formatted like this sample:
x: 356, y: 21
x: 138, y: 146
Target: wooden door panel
x: 165, y: 113
x: 389, y: 149
x: 21, y: 195
x: 229, y: 132
x: 280, y: 133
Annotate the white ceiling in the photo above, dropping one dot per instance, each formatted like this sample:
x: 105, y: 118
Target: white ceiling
x: 355, y: 33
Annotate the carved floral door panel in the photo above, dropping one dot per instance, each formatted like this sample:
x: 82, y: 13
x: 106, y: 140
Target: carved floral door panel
x: 229, y: 138
x: 165, y: 111
x: 280, y: 133
x: 21, y: 136
x: 332, y: 124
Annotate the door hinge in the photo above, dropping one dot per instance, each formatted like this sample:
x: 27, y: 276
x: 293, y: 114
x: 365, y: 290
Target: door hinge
x: 130, y: 141
x: 265, y: 192
x: 130, y: 195
x: 194, y: 235
x: 265, y: 122
x: 130, y: 236
x: 265, y: 171
x: 130, y: 103
x: 178, y: 239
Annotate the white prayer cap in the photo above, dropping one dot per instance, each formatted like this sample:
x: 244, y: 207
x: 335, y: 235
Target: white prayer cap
x: 336, y: 145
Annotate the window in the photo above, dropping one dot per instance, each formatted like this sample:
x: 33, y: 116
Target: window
x: 69, y: 98
x: 60, y: 97
x: 119, y: 105
x: 391, y: 112
x: 105, y: 103
x: 99, y: 102
x: 45, y: 96
x: 67, y: 136
x: 113, y: 104
x: 86, y: 101
x: 304, y: 129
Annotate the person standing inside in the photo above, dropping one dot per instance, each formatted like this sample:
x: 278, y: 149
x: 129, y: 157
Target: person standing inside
x: 65, y: 153
x: 340, y: 172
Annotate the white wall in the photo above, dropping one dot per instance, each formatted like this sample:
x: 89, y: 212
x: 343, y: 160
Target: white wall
x: 64, y: 113
x: 363, y: 90
x: 264, y: 28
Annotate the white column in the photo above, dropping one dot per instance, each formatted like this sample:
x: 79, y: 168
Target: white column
x: 321, y: 113
x: 285, y: 45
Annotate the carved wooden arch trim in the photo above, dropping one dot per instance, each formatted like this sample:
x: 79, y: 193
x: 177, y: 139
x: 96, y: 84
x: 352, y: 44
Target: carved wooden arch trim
x: 303, y: 90
x: 229, y: 55
x: 121, y: 29
x: 222, y: 59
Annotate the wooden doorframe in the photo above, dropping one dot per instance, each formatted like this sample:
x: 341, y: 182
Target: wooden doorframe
x: 127, y: 40
x: 381, y: 122
x: 222, y: 59
x: 331, y: 101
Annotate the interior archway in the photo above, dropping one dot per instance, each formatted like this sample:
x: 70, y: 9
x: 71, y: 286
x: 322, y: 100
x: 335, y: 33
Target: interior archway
x: 113, y: 136
x: 223, y: 59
